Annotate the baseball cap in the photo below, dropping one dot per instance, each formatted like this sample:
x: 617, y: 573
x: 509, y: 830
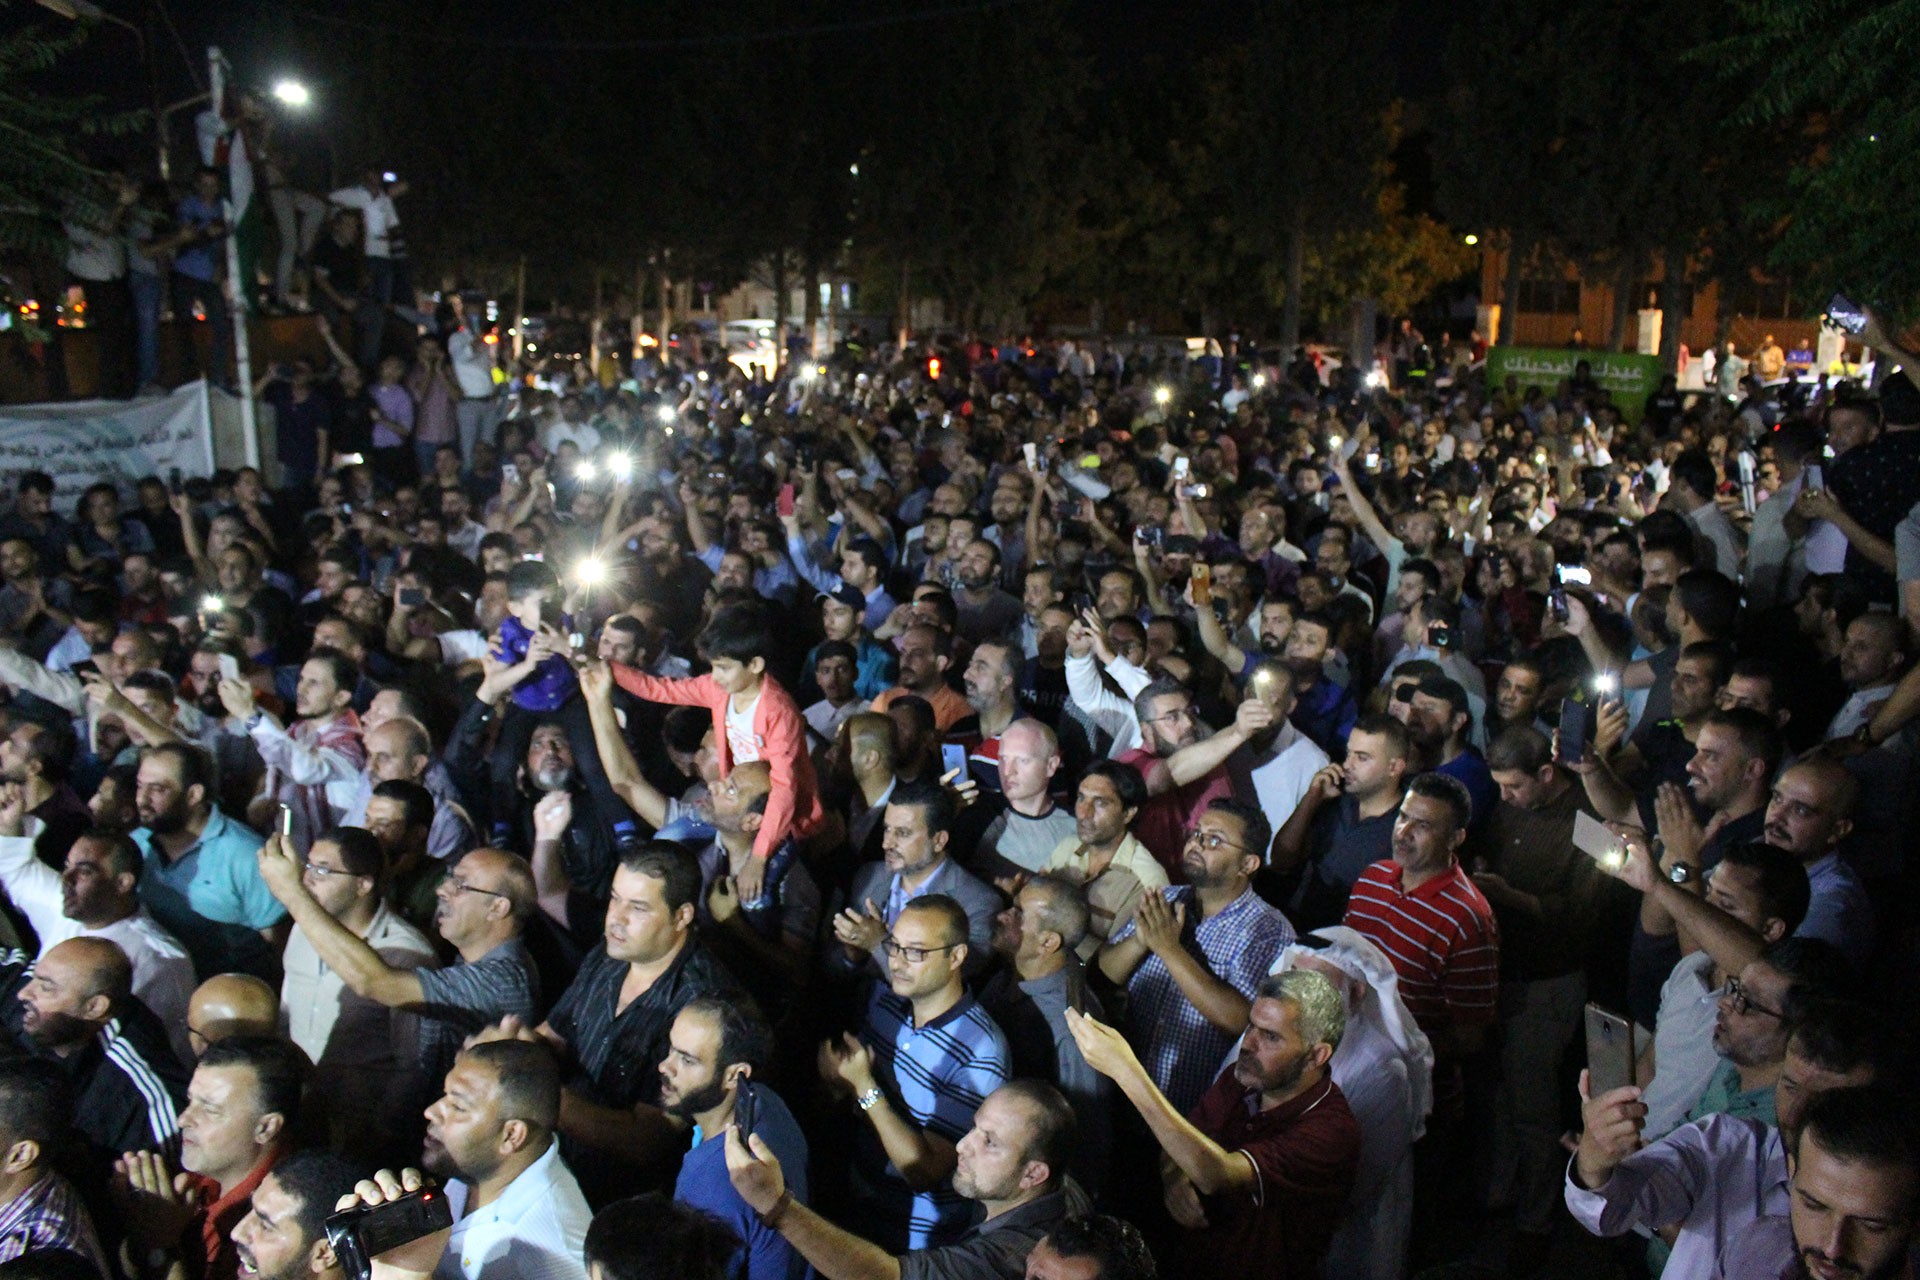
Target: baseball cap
x: 846, y: 595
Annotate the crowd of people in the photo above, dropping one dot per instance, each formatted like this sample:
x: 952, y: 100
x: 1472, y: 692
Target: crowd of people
x: 155, y: 251
x: 1076, y: 813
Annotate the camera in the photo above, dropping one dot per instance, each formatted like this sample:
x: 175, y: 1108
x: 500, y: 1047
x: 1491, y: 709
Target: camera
x: 364, y: 1232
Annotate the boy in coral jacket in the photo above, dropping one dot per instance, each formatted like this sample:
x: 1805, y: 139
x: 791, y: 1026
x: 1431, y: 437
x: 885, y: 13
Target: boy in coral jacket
x: 753, y: 719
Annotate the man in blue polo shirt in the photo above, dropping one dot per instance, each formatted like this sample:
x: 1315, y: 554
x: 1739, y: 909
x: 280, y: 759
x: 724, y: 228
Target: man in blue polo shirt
x: 202, y: 879
x: 926, y: 1059
x: 716, y: 1044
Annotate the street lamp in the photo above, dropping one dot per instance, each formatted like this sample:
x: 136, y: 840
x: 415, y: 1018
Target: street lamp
x: 292, y: 93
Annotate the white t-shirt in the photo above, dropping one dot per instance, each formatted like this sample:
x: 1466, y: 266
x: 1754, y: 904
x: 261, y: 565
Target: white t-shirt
x: 379, y: 214
x: 472, y: 365
x: 740, y: 736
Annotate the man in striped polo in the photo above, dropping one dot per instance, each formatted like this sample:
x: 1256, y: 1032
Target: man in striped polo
x: 926, y: 1059
x: 1425, y: 912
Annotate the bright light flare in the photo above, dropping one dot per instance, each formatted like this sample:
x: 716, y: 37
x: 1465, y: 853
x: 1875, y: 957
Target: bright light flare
x: 293, y: 93
x: 1376, y: 378
x: 584, y: 471
x: 1163, y: 395
x: 665, y: 413
x: 1259, y: 381
x: 620, y: 466
x: 590, y: 572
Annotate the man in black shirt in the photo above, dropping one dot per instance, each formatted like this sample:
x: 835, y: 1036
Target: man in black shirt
x: 612, y: 1026
x: 76, y: 1007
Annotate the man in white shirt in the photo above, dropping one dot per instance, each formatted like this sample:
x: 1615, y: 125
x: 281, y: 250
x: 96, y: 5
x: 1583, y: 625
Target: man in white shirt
x: 477, y: 411
x: 366, y: 1062
x: 1872, y: 659
x: 313, y: 765
x: 97, y: 897
x: 518, y: 1213
x: 1277, y: 763
x: 835, y: 670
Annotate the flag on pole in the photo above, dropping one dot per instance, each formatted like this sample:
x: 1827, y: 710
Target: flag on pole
x: 231, y: 154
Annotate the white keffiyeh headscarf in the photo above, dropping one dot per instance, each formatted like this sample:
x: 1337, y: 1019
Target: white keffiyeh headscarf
x: 1381, y: 1009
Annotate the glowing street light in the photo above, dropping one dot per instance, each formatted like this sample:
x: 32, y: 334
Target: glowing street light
x: 292, y: 93
x: 1472, y: 239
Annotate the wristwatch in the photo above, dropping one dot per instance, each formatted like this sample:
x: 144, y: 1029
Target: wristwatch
x: 1683, y: 873
x: 869, y: 1100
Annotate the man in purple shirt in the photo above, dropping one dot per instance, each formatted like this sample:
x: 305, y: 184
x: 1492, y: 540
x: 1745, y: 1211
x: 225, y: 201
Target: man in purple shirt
x: 1856, y: 1195
x: 1714, y: 1177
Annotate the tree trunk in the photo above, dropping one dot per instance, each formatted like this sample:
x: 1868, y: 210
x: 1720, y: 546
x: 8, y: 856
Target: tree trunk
x: 1519, y: 249
x: 780, y: 308
x: 1624, y: 306
x: 1296, y: 269
x: 813, y: 301
x: 1676, y: 302
x: 906, y: 303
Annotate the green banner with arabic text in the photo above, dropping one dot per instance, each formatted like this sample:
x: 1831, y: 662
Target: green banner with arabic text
x: 1630, y: 378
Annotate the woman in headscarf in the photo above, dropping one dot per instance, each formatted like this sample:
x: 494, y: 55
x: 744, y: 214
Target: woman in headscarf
x: 1384, y: 1066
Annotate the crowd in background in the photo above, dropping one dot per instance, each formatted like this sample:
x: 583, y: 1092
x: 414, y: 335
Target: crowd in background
x: 972, y: 810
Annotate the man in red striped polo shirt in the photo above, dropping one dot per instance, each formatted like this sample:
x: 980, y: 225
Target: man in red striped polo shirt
x: 1426, y: 913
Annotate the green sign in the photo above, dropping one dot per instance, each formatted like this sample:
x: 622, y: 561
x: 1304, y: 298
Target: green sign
x: 1629, y: 378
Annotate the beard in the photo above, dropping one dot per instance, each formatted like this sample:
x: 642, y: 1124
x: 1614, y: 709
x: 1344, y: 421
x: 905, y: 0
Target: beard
x: 438, y: 1161
x: 169, y: 821
x: 553, y: 779
x: 689, y: 1105
x: 1247, y: 1071
x: 55, y: 1030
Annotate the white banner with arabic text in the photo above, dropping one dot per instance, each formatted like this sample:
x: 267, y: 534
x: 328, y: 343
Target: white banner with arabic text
x: 114, y: 440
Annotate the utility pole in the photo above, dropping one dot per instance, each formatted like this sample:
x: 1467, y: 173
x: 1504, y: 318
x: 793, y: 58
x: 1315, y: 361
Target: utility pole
x: 520, y: 307
x: 236, y: 288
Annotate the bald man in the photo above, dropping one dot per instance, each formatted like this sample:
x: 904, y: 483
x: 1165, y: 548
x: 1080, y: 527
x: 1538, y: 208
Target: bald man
x: 863, y: 761
x: 399, y: 748
x: 773, y: 934
x: 76, y: 1007
x: 231, y: 1004
x: 1022, y: 836
x: 1810, y: 814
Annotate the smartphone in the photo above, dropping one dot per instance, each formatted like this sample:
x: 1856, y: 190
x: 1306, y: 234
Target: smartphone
x: 1816, y: 477
x: 509, y: 474
x: 1591, y: 837
x: 86, y: 667
x: 1373, y: 461
x: 229, y: 667
x: 953, y: 756
x: 175, y: 485
x: 364, y: 1232
x: 785, y: 506
x: 1439, y: 635
x: 745, y: 1107
x: 286, y: 821
x: 1202, y: 576
x: 1032, y: 451
x: 352, y: 459
x: 1844, y: 315
x: 389, y: 176
x: 1610, y: 1051
x: 1181, y: 465
x: 412, y: 597
x: 1576, y: 730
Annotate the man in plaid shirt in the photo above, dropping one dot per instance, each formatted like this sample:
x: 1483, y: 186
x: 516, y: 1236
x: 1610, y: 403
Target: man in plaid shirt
x: 1191, y: 957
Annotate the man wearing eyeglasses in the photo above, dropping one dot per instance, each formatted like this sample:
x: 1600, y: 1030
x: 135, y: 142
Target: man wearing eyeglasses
x: 1703, y: 1184
x: 1184, y: 771
x: 484, y: 905
x: 366, y: 1071
x: 1193, y: 954
x: 926, y: 1059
